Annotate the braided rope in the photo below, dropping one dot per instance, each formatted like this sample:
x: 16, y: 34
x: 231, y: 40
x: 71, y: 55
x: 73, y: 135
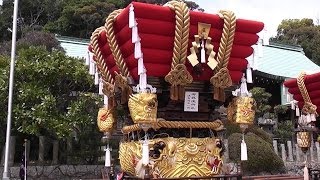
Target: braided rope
x: 228, y: 32
x: 101, y: 64
x: 216, y: 125
x: 308, y: 107
x: 181, y: 38
x: 113, y: 44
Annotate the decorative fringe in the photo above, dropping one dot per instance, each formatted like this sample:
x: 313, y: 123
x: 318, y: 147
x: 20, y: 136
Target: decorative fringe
x: 244, y: 150
x: 108, y: 157
x: 203, y: 53
x: 137, y: 50
x: 96, y: 78
x: 297, y: 111
x: 131, y: 16
x: 249, y: 74
x: 305, y: 172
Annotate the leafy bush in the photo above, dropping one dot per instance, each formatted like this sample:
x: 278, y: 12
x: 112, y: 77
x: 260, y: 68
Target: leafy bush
x: 285, y: 131
x: 261, y: 157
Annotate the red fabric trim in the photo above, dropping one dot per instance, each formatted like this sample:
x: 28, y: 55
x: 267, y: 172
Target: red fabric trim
x: 310, y: 87
x: 312, y: 94
x: 308, y: 79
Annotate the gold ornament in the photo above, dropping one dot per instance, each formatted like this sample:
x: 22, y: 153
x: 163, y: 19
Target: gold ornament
x: 105, y: 120
x: 304, y: 139
x: 242, y: 110
x: 181, y: 157
x: 143, y: 108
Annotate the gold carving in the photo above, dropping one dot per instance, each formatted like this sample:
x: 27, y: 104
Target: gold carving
x: 242, y: 110
x: 122, y: 83
x: 304, y: 139
x: 105, y: 120
x: 180, y: 157
x: 143, y: 107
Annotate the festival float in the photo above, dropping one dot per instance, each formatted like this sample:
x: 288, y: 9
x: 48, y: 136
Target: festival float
x: 169, y: 67
x: 305, y: 92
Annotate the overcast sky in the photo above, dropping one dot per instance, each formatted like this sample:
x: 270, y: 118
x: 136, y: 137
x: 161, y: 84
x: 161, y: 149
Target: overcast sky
x: 271, y: 12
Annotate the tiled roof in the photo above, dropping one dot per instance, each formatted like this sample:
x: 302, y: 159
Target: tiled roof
x: 74, y: 47
x: 284, y: 61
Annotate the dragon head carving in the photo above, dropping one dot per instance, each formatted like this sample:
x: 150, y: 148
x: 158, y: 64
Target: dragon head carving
x: 143, y: 107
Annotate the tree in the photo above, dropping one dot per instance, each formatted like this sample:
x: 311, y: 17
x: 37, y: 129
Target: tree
x: 301, y: 32
x: 44, y: 97
x: 262, y: 98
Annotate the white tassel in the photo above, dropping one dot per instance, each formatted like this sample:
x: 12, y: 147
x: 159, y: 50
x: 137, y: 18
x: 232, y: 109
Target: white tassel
x: 134, y: 34
x: 131, y: 16
x: 105, y: 100
x: 284, y: 90
x: 203, y: 53
x: 141, y: 68
x: 143, y: 81
x: 292, y: 105
x: 305, y: 172
x: 92, y: 68
x: 243, y: 87
x: 249, y: 74
x: 88, y: 58
x: 145, y: 152
x: 308, y: 118
x: 96, y: 78
x: 108, y: 157
x: 137, y: 50
x: 244, y: 151
x: 313, y: 117
x: 297, y: 111
x: 100, y: 87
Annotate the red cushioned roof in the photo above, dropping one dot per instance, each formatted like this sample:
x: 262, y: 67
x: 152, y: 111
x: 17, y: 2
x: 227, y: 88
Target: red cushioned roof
x: 312, y: 83
x: 156, y: 27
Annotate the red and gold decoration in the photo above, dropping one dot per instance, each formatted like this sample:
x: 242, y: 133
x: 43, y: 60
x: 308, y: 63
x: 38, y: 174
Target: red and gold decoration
x: 179, y: 46
x: 242, y: 111
x: 304, y: 92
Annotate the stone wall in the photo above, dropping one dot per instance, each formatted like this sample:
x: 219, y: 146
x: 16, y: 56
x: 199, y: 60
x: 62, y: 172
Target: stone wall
x: 59, y: 172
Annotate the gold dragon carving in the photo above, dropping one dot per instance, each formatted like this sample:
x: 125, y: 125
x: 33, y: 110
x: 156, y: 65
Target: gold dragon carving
x: 105, y: 120
x: 174, y: 157
x: 143, y: 108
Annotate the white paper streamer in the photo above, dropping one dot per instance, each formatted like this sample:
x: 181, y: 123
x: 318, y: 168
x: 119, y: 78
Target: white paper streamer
x: 100, y: 87
x: 297, y: 111
x: 135, y: 36
x: 96, y: 78
x: 92, y: 68
x: 131, y: 16
x: 145, y: 152
x: 244, y: 151
x: 108, y: 158
x: 105, y: 100
x: 249, y: 74
x: 203, y: 53
x: 137, y: 50
x: 88, y: 59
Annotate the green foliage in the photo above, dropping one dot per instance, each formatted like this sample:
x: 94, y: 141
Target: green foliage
x: 260, y: 132
x: 285, y: 131
x: 262, y: 98
x: 300, y: 32
x: 32, y: 38
x: 43, y: 101
x: 261, y: 157
x: 280, y: 109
